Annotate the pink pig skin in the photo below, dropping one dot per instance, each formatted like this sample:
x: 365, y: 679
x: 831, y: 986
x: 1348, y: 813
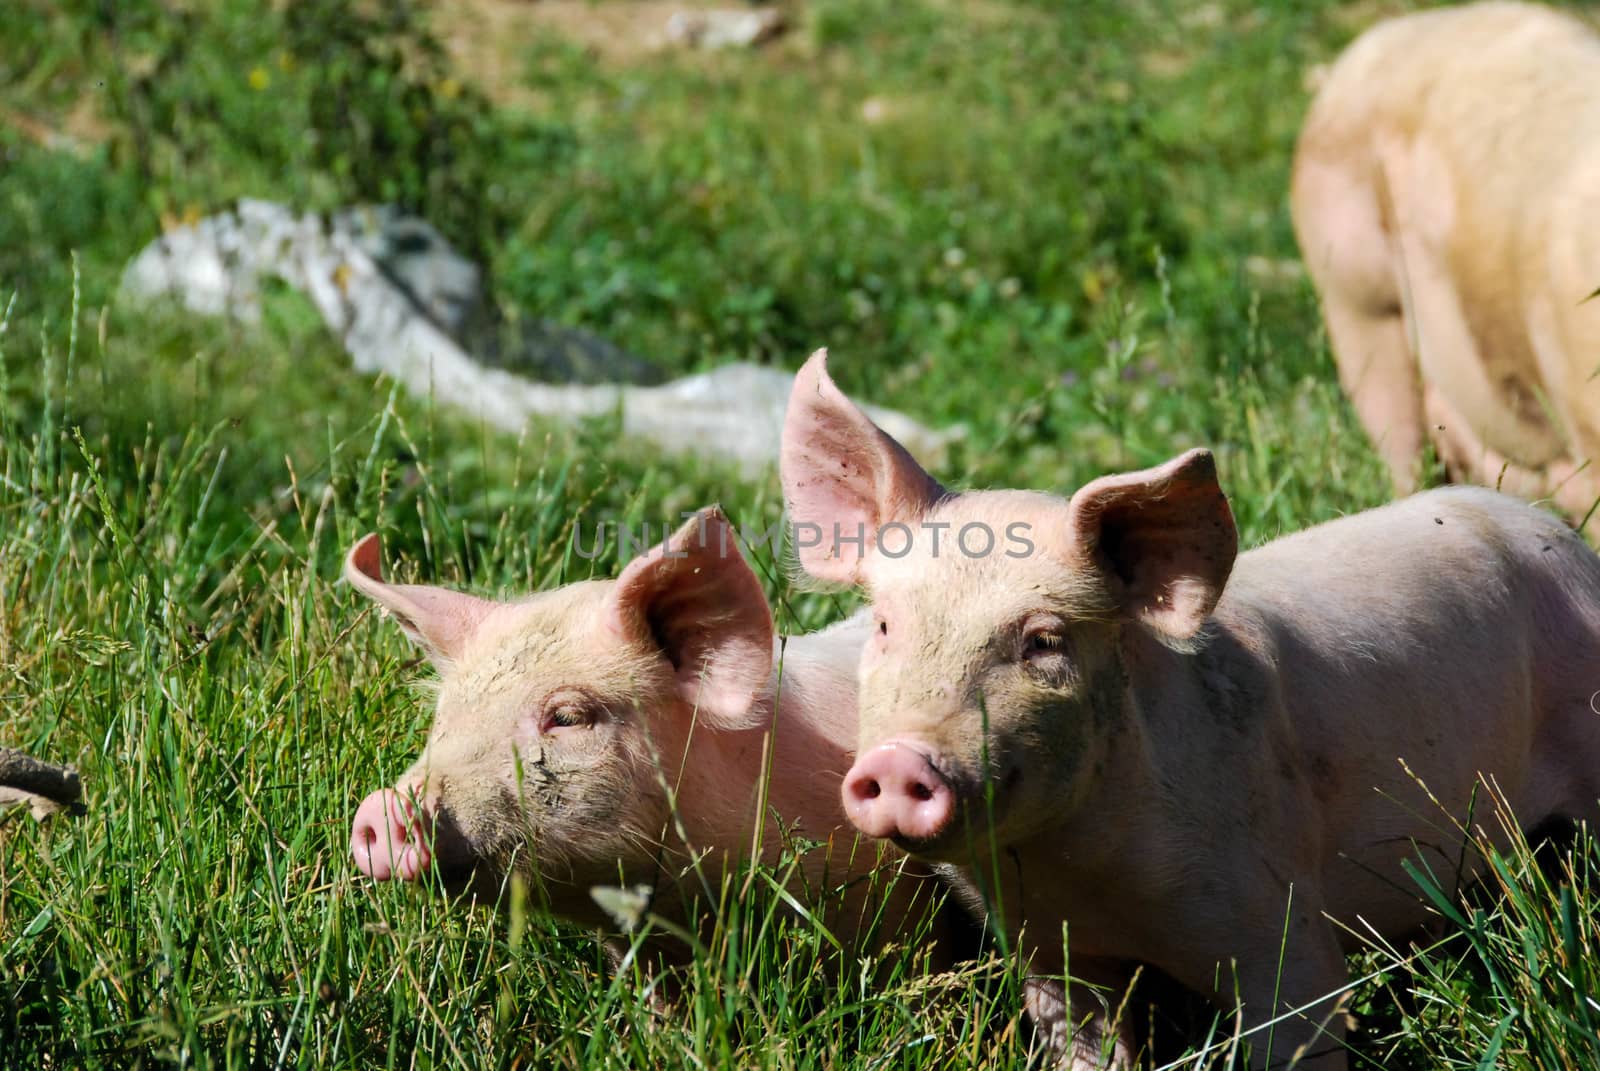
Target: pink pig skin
x: 1183, y: 758
x: 609, y: 732
x: 1445, y: 200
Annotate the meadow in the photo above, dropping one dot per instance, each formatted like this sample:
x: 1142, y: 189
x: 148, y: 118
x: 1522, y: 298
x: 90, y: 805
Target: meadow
x: 1061, y: 227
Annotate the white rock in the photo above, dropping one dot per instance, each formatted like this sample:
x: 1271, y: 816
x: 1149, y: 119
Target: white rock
x: 216, y: 267
x: 724, y: 29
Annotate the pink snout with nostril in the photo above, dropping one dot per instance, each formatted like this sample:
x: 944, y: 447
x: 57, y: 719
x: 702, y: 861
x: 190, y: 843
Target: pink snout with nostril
x: 894, y: 791
x: 389, y: 839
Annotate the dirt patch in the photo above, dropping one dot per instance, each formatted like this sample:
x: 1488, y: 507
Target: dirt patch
x: 489, y: 39
x: 82, y: 128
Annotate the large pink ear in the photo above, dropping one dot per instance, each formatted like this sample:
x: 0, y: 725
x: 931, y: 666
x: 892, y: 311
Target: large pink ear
x: 844, y: 478
x: 697, y: 601
x: 438, y: 620
x: 1165, y: 537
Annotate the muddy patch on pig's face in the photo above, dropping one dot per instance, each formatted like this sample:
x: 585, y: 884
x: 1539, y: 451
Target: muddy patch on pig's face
x: 543, y: 754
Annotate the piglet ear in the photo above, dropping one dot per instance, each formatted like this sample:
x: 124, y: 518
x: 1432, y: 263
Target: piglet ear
x: 1165, y: 539
x: 844, y: 478
x: 696, y: 600
x: 438, y: 620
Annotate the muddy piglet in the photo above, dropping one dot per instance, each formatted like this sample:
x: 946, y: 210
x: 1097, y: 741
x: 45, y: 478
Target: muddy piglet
x: 629, y: 731
x: 1123, y: 731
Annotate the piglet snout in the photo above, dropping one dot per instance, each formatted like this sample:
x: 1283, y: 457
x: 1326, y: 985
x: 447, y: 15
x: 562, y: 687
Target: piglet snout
x: 389, y: 838
x: 894, y: 791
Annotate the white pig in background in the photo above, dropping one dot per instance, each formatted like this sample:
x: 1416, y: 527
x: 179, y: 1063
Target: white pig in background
x: 1180, y: 758
x: 1447, y: 201
x: 613, y: 732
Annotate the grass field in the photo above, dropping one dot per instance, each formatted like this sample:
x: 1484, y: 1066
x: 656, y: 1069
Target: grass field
x: 1063, y: 227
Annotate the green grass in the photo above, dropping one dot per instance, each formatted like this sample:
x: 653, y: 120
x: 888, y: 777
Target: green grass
x: 1055, y: 238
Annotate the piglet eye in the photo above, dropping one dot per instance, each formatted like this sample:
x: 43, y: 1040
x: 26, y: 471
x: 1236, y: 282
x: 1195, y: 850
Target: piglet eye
x: 567, y: 712
x: 883, y: 627
x: 1043, y: 644
x: 566, y: 717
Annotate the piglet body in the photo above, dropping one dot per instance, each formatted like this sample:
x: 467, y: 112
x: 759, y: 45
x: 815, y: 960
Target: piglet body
x: 650, y: 730
x: 1123, y: 734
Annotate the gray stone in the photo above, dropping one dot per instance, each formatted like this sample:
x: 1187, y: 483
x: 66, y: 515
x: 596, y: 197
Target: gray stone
x: 392, y: 289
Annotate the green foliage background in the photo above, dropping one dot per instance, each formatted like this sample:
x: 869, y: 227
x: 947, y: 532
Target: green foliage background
x: 1068, y: 233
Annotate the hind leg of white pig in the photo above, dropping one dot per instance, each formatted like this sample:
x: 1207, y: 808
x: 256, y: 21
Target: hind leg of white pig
x: 1344, y: 239
x: 1467, y: 460
x: 1572, y: 487
x: 1380, y: 376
